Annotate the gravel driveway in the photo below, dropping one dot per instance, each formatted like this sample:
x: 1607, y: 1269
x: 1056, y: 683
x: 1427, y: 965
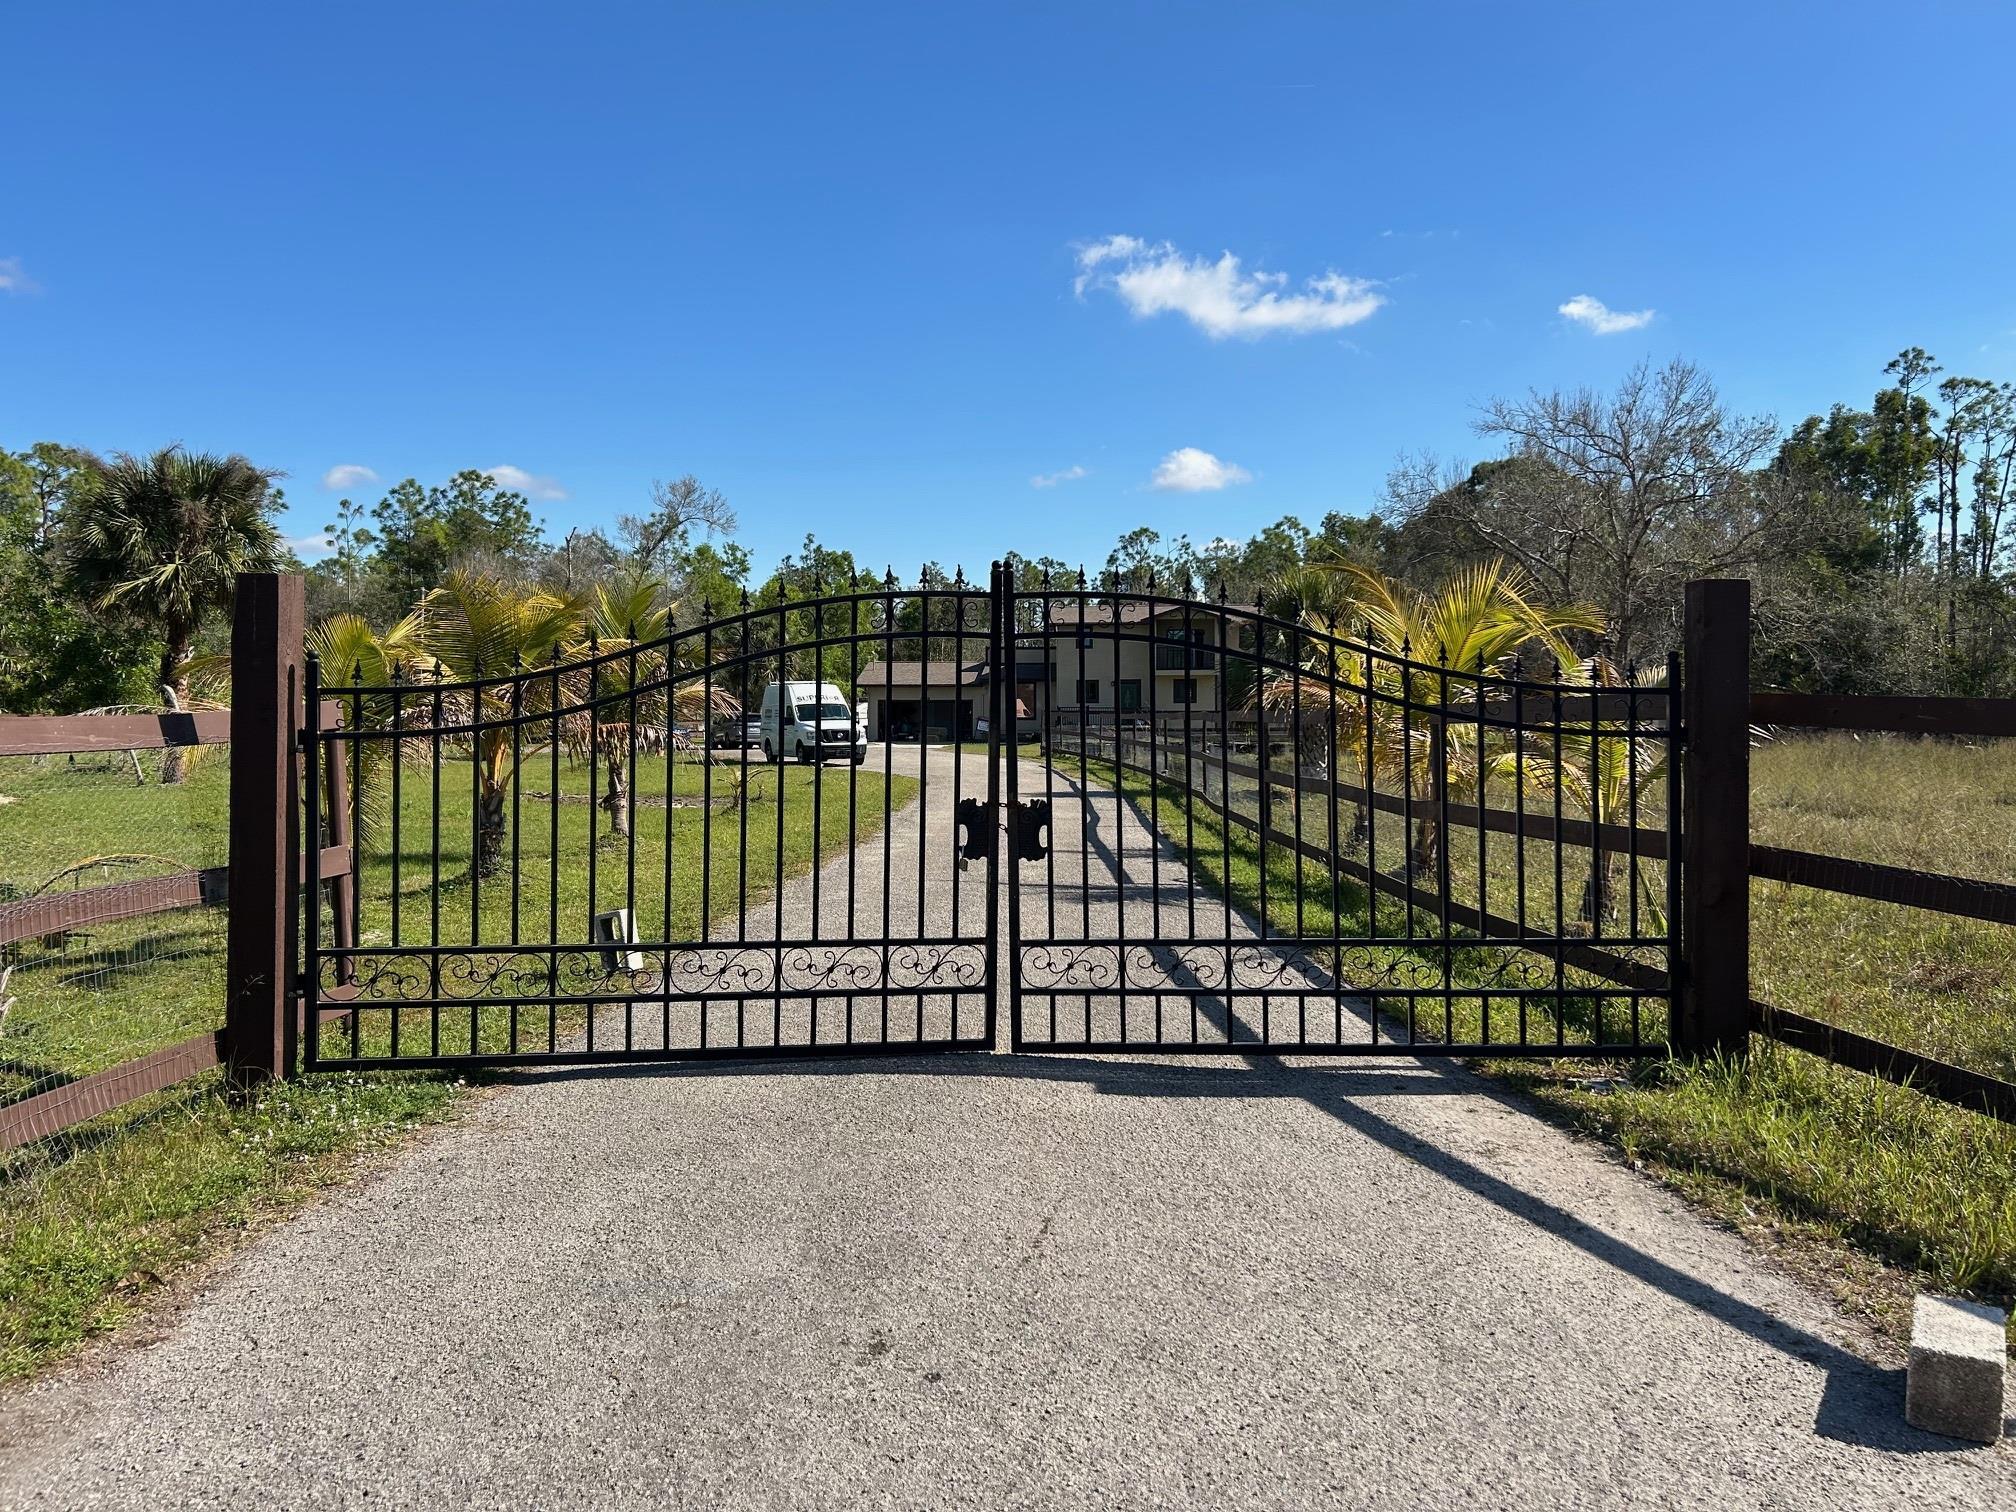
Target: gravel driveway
x: 984, y: 1281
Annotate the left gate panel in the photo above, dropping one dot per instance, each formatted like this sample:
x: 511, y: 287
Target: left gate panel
x: 603, y: 833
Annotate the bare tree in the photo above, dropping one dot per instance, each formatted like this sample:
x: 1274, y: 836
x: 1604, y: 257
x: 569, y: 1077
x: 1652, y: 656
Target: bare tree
x: 652, y: 539
x: 1615, y: 499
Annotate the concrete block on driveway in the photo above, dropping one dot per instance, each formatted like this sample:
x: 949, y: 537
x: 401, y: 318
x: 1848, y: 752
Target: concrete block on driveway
x: 1955, y: 1384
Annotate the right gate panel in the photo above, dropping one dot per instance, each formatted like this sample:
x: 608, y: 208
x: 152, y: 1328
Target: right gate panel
x: 1311, y: 832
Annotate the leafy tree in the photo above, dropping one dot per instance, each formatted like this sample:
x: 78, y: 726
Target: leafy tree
x: 657, y: 540
x: 470, y: 522
x: 156, y: 544
x: 56, y: 656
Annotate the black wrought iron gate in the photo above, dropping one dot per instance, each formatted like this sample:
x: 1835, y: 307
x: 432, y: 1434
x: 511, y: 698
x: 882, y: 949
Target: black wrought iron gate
x: 657, y: 841
x: 1271, y: 831
x: 1210, y: 828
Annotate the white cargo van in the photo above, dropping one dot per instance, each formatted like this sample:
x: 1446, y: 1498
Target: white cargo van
x: 810, y: 721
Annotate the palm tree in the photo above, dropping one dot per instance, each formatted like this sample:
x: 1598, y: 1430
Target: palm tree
x: 1421, y: 648
x: 642, y: 679
x: 478, y: 629
x: 1599, y: 769
x: 158, y: 542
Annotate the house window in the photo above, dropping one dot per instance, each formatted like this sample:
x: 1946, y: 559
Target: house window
x: 1088, y: 690
x: 1085, y: 640
x: 1183, y: 691
x: 1130, y: 695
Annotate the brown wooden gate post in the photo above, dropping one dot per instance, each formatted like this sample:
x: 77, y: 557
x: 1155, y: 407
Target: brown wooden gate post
x: 1712, y: 1011
x: 260, y: 938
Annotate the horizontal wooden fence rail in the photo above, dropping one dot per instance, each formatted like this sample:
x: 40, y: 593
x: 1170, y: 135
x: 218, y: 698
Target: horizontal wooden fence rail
x: 88, y: 734
x: 80, y: 908
x: 1887, y: 715
x: 1961, y: 897
x: 1886, y: 1062
x: 55, y: 1109
x: 1994, y: 902
x: 75, y: 1102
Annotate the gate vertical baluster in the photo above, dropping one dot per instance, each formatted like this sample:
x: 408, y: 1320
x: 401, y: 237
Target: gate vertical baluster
x: 818, y: 783
x: 1675, y: 935
x: 958, y: 602
x: 818, y: 777
x: 1594, y: 804
x: 667, y: 671
x: 1189, y: 790
x: 353, y: 809
x: 888, y: 788
x: 1371, y: 783
x: 1560, y: 890
x: 704, y: 840
x: 552, y: 947
x: 1336, y: 783
x: 777, y: 872
x: 476, y: 856
x: 1408, y: 846
x: 434, y: 888
x: 1519, y: 740
x: 1154, y: 800
x: 1048, y: 725
x: 1631, y: 845
x: 629, y: 758
x: 1120, y: 810
x: 1004, y: 736
x: 398, y: 767
x: 853, y: 766
x: 1439, y: 756
x: 1225, y: 809
x: 923, y: 758
x: 1297, y: 650
x: 592, y: 779
x: 517, y: 814
x: 1483, y: 851
x: 1084, y: 661
x: 746, y: 668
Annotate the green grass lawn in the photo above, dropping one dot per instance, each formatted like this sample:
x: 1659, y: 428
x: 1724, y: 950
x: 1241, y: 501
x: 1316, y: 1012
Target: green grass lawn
x: 91, y: 1221
x: 1869, y: 1187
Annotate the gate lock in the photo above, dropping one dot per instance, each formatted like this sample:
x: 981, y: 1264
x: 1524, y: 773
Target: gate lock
x: 1032, y: 829
x: 973, y: 822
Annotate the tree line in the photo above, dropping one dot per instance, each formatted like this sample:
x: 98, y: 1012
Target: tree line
x: 1878, y: 537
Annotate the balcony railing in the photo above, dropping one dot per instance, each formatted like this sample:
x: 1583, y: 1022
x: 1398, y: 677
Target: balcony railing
x: 1178, y: 656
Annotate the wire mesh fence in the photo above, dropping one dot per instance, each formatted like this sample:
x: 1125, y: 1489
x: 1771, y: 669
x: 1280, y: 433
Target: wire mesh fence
x: 112, y: 916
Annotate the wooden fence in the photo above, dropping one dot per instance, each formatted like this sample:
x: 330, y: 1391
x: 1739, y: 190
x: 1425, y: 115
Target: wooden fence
x: 1714, y: 1011
x: 257, y: 1038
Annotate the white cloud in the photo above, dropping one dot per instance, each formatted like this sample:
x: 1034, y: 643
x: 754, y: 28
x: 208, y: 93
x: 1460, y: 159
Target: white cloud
x: 1191, y: 470
x: 348, y: 475
x: 1587, y: 310
x: 532, y: 485
x: 1220, y: 298
x: 311, y: 547
x: 1050, y: 480
x: 14, y: 278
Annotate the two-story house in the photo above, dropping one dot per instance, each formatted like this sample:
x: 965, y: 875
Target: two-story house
x: 1162, y: 658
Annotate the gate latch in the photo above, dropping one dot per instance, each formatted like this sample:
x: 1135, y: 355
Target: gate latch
x: 974, y: 822
x: 1032, y: 829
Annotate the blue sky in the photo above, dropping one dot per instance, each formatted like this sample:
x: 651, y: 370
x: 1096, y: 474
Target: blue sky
x: 872, y: 269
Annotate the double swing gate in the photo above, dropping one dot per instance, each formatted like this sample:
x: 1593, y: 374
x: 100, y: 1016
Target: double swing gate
x: 1132, y: 821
